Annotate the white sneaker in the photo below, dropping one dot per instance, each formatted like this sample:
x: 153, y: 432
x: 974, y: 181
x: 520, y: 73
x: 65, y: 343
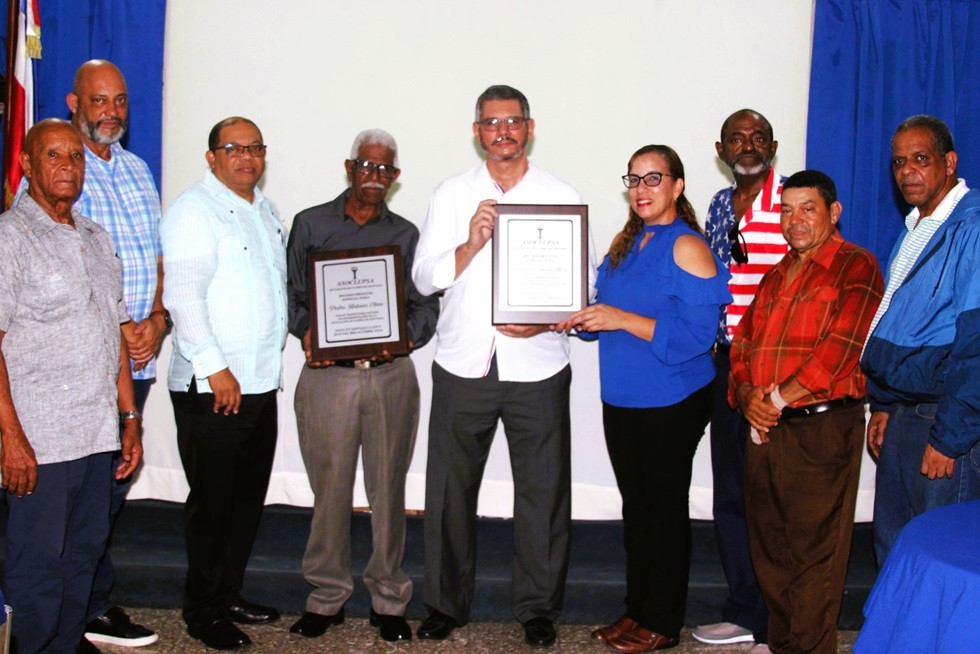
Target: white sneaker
x: 723, y: 633
x: 760, y: 648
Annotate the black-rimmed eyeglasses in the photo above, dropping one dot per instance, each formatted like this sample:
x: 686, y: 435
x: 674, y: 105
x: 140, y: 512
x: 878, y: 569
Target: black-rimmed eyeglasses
x: 740, y: 250
x: 650, y: 179
x: 365, y: 168
x: 238, y: 150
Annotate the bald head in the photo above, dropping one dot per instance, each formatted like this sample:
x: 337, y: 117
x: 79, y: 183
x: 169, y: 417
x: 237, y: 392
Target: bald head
x: 99, y: 103
x: 54, y: 160
x: 745, y: 113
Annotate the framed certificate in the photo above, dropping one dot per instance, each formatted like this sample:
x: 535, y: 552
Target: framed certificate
x: 540, y: 263
x: 357, y: 303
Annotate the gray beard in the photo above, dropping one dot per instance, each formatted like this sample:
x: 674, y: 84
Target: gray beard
x: 754, y: 170
x: 91, y: 132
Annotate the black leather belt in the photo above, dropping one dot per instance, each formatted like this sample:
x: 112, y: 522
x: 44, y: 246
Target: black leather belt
x: 362, y: 365
x: 820, y: 407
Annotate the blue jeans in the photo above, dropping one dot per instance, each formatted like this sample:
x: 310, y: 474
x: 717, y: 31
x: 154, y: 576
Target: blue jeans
x: 105, y: 573
x: 901, y: 491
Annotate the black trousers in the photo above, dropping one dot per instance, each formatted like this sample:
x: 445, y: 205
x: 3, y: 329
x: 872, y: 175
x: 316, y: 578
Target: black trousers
x: 652, y: 451
x: 227, y: 461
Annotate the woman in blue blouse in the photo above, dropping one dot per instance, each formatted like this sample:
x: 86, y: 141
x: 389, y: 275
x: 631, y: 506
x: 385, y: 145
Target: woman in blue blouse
x: 659, y: 293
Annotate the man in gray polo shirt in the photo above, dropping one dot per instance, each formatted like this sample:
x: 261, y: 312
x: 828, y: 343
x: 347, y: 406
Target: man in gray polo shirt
x: 64, y: 384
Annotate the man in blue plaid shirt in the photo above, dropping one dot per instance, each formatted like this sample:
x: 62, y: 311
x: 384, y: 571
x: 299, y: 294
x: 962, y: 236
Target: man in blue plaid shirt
x: 119, y: 193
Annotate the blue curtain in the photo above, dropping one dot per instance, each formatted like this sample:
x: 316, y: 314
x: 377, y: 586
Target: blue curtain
x: 875, y: 63
x: 128, y: 33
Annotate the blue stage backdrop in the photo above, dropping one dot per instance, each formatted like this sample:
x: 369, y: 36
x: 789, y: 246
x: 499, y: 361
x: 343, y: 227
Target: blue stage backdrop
x: 875, y: 63
x: 130, y: 34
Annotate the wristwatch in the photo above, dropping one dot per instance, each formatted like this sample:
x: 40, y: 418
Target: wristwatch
x: 130, y: 415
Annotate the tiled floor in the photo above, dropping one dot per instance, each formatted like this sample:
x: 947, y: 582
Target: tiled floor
x: 356, y: 636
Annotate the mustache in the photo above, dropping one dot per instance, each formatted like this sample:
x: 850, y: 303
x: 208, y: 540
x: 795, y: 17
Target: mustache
x: 378, y: 185
x: 504, y: 139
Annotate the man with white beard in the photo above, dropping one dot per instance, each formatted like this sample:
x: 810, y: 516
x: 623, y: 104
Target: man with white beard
x: 742, y: 226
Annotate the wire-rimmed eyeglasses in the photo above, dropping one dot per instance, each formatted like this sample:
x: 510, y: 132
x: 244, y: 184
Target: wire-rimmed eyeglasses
x: 510, y: 123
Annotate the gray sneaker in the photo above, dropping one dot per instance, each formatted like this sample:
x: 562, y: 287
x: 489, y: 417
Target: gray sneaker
x: 722, y: 633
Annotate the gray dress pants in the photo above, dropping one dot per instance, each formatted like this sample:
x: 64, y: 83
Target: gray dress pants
x: 340, y: 411
x: 462, y: 425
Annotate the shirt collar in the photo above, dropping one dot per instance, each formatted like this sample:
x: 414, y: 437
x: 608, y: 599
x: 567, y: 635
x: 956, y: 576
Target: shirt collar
x: 385, y: 214
x: 944, y: 208
x: 38, y: 218
x: 824, y: 255
x: 216, y: 188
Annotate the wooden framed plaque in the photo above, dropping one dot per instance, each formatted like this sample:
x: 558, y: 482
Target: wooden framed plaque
x: 540, y: 263
x: 357, y: 303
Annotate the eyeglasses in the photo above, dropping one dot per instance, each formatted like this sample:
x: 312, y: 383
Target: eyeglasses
x: 740, y: 250
x: 511, y: 123
x: 650, y: 179
x: 365, y: 168
x: 237, y: 150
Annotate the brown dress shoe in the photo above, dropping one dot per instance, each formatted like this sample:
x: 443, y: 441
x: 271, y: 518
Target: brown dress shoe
x: 641, y: 640
x: 624, y: 624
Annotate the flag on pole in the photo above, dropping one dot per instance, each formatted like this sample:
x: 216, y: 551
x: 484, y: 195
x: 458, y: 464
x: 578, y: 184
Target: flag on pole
x: 25, y: 32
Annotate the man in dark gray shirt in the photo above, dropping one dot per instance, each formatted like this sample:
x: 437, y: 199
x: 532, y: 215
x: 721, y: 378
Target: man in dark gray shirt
x: 370, y: 405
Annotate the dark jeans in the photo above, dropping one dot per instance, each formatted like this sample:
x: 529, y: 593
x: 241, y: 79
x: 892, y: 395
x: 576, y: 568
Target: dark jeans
x: 54, y: 538
x: 901, y: 491
x: 652, y: 451
x: 744, y: 605
x: 105, y: 573
x: 227, y: 461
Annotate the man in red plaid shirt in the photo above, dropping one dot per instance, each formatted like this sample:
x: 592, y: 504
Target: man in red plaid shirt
x: 796, y: 379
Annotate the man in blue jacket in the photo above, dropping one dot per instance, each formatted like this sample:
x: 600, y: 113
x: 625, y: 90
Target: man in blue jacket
x: 922, y: 358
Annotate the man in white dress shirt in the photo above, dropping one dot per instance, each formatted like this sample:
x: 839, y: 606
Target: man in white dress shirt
x: 482, y: 374
x: 224, y: 254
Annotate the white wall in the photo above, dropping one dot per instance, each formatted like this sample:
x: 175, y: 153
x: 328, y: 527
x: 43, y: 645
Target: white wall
x: 602, y: 78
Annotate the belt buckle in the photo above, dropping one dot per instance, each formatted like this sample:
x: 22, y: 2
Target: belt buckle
x: 364, y: 364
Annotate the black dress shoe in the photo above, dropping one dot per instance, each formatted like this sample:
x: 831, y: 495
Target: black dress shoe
x: 313, y: 625
x: 86, y: 647
x: 437, y: 626
x: 244, y: 612
x: 540, y: 632
x: 220, y: 634
x: 391, y: 627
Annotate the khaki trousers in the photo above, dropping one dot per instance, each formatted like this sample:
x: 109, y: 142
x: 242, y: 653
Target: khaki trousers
x: 340, y: 412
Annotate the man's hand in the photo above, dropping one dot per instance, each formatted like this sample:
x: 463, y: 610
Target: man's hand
x: 227, y: 392
x: 936, y: 465
x: 18, y: 465
x: 481, y: 225
x: 756, y: 406
x: 132, y: 447
x: 522, y: 331
x: 876, y: 432
x: 308, y: 351
x: 481, y: 230
x: 143, y: 339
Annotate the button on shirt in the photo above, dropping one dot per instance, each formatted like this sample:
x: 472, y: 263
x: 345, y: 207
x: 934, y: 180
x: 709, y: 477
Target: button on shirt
x: 465, y: 337
x: 225, y: 262
x: 61, y: 304
x: 121, y: 196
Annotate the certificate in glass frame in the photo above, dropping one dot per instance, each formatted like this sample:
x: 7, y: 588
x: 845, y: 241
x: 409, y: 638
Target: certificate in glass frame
x: 357, y: 304
x: 540, y: 263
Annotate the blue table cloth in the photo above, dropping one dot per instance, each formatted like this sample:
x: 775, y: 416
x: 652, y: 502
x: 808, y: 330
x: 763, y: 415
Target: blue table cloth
x: 927, y: 596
